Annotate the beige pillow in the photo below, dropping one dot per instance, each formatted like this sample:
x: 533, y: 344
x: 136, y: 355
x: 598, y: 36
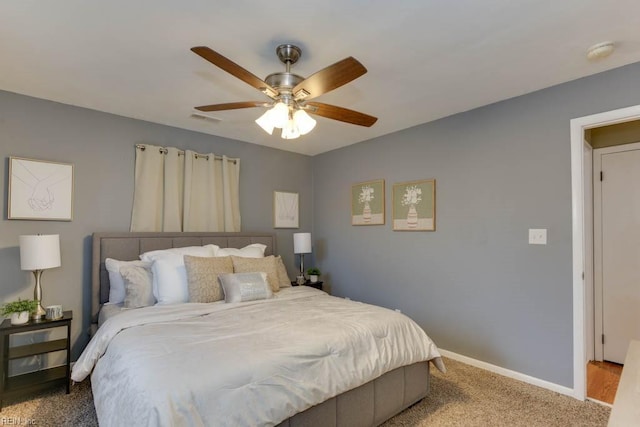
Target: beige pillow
x: 283, y: 276
x: 202, y: 277
x: 138, y: 286
x: 255, y: 265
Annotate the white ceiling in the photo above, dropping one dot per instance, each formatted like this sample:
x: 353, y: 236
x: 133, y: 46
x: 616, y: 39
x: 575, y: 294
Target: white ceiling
x: 426, y: 59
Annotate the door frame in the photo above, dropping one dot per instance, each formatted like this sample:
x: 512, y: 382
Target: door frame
x: 580, y: 227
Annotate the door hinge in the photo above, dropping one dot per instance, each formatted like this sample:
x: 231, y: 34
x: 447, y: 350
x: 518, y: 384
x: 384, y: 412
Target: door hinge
x: 601, y: 176
x: 583, y: 275
x: 602, y: 338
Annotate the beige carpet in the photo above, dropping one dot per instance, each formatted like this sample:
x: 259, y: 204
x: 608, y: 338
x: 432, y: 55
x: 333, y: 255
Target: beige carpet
x: 464, y: 396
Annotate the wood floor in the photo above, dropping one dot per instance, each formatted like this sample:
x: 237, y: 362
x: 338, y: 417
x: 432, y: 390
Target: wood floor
x: 602, y: 380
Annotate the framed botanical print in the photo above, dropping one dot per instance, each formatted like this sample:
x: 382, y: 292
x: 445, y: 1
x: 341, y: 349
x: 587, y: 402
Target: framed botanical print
x: 40, y: 190
x: 367, y: 203
x: 285, y: 210
x: 414, y: 206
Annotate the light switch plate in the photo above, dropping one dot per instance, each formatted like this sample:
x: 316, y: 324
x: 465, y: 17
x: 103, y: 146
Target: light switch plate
x: 537, y: 236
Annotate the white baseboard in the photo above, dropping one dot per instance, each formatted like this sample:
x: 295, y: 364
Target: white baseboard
x: 508, y: 373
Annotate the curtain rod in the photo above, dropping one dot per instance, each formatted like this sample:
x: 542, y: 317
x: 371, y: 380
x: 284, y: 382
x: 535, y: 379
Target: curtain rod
x: 181, y: 153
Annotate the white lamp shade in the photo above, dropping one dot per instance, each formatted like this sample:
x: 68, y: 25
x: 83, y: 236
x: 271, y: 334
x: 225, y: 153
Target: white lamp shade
x: 38, y: 252
x: 265, y: 122
x: 304, y: 122
x: 290, y: 131
x: 302, y: 243
x: 279, y: 115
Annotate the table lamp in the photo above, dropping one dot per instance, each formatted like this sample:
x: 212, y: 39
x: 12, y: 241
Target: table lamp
x: 301, y: 245
x: 38, y: 253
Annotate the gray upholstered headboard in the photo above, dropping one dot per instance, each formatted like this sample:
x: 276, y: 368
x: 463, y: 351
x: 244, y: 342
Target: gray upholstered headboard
x: 127, y: 246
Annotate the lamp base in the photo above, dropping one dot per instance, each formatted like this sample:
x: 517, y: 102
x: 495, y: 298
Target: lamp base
x: 39, y: 314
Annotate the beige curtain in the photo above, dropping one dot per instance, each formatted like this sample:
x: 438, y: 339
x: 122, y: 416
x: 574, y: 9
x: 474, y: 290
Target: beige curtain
x: 185, y: 191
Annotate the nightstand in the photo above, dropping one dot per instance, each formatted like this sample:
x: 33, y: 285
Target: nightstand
x: 25, y: 384
x: 317, y: 285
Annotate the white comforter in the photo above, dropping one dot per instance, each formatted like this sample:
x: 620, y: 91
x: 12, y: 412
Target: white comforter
x: 255, y: 363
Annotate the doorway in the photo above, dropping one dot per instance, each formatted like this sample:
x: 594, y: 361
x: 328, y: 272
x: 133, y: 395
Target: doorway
x: 616, y: 249
x: 581, y: 172
x: 616, y: 278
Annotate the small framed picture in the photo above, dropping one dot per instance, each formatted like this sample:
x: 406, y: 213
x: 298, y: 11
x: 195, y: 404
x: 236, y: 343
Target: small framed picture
x: 285, y: 210
x: 40, y: 190
x: 367, y: 203
x: 414, y: 206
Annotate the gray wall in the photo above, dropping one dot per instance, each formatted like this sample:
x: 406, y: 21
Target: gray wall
x: 101, y: 147
x: 475, y: 285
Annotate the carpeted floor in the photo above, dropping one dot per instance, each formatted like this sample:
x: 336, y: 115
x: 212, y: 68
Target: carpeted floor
x: 464, y: 396
x: 468, y: 396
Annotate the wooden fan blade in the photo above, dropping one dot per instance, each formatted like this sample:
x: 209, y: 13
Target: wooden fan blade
x: 341, y: 114
x: 235, y: 70
x: 328, y: 79
x: 231, y: 106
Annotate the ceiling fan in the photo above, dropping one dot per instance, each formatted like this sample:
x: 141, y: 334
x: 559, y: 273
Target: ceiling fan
x: 290, y: 93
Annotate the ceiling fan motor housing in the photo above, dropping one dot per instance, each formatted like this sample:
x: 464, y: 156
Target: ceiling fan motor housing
x: 283, y: 81
x: 288, y: 53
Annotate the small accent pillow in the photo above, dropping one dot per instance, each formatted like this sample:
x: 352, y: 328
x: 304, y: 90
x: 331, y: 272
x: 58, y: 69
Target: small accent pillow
x: 138, y: 286
x: 241, y: 287
x: 254, y: 250
x: 202, y: 277
x: 116, y: 282
x: 256, y: 265
x: 283, y: 276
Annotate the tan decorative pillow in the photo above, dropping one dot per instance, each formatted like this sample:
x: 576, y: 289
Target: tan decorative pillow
x: 283, y: 276
x: 256, y: 265
x: 202, y: 277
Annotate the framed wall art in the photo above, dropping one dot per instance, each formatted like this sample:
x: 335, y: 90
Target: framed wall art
x: 285, y: 210
x: 414, y: 206
x: 40, y: 190
x: 367, y: 203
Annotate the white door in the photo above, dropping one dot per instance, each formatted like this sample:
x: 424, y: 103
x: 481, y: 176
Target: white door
x: 617, y: 247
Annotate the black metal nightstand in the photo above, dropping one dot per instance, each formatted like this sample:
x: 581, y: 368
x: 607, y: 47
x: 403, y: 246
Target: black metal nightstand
x: 317, y: 285
x: 25, y: 384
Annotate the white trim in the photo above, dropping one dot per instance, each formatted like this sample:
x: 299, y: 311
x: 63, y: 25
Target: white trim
x: 507, y: 372
x: 597, y: 257
x: 590, y: 333
x: 578, y: 126
x: 600, y: 402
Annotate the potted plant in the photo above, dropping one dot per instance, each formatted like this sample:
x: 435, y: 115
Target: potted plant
x: 19, y: 310
x: 313, y: 273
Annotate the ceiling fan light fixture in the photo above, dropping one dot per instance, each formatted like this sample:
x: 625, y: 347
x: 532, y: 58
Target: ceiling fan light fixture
x: 304, y: 122
x: 279, y: 115
x: 265, y: 122
x: 290, y: 131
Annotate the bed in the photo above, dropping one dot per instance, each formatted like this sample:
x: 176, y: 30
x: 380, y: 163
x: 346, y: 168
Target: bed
x: 157, y: 365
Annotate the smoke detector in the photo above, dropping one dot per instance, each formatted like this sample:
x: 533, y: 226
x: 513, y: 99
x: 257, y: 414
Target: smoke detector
x: 600, y: 51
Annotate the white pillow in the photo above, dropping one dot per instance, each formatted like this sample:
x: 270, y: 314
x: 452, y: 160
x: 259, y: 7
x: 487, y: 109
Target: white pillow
x: 152, y: 256
x: 116, y: 282
x: 254, y: 250
x: 206, y: 250
x: 170, y: 281
x: 241, y: 287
